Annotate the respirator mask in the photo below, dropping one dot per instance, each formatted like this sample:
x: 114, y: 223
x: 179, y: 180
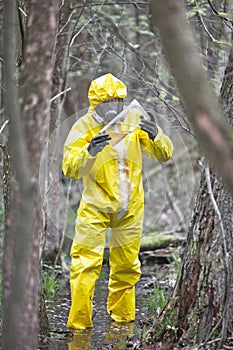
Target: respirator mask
x: 110, y: 109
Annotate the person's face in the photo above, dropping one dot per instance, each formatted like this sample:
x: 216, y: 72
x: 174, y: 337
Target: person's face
x: 110, y: 109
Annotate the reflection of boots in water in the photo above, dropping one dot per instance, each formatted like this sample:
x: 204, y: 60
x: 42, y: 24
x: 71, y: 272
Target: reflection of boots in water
x: 81, y: 339
x: 118, y: 334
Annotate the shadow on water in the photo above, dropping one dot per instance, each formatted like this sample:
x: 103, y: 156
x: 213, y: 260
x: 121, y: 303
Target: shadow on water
x: 105, y: 334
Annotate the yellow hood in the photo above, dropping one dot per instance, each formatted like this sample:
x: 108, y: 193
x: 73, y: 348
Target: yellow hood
x: 105, y: 88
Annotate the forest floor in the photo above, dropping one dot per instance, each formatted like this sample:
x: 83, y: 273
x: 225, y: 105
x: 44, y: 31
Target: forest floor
x: 159, y: 267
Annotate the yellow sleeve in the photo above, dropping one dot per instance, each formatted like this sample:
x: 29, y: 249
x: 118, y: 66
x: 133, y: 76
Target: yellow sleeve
x: 77, y: 162
x: 161, y: 148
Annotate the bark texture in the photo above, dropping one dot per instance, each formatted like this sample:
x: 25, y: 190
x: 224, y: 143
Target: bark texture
x: 36, y: 79
x: 18, y: 202
x: 53, y: 165
x: 201, y: 303
x: 27, y: 138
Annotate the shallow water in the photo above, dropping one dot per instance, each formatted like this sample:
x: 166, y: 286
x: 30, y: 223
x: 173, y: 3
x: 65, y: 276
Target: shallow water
x: 105, y: 334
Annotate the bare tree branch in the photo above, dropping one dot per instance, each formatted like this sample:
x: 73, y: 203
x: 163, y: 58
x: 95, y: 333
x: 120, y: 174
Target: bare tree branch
x: 4, y: 125
x: 135, y: 3
x: 227, y: 21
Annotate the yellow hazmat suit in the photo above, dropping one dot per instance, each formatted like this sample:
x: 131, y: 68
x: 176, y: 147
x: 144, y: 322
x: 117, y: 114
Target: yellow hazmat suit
x: 112, y: 197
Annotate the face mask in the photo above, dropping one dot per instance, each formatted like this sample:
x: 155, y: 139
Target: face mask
x: 110, y: 109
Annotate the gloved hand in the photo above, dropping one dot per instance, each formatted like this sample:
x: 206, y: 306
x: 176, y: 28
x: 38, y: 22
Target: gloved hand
x: 97, y: 144
x: 149, y: 126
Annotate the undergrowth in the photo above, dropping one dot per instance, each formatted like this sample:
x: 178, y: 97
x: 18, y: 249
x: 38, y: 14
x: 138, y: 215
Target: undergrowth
x: 51, y: 282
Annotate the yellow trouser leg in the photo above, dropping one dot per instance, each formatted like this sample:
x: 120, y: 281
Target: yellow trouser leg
x: 124, y: 274
x: 87, y: 256
x: 85, y: 269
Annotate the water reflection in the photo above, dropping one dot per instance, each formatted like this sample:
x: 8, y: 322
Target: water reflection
x: 80, y: 340
x: 116, y: 336
x: 105, y: 335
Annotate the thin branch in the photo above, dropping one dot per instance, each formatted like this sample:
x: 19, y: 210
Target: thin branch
x: 210, y: 35
x: 113, y: 3
x: 180, y: 117
x: 3, y: 126
x: 206, y: 29
x: 81, y: 29
x: 215, y: 11
x: 67, y: 23
x: 60, y: 94
x: 23, y: 12
x: 146, y: 65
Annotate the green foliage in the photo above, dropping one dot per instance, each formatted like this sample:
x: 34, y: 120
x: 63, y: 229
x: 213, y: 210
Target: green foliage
x: 166, y: 325
x: 156, y: 301
x: 176, y: 261
x: 226, y: 15
x: 197, y: 8
x: 50, y: 282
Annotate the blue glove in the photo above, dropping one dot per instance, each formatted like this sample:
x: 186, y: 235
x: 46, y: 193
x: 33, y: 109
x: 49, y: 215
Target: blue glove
x: 98, y: 143
x: 149, y: 126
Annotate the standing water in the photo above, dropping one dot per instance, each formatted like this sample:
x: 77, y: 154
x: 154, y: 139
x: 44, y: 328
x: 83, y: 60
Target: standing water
x: 105, y: 334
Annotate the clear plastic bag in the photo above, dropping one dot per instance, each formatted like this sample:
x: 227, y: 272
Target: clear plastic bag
x: 125, y: 122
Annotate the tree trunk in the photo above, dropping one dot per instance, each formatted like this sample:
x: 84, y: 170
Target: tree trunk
x: 19, y: 201
x: 36, y: 93
x: 51, y: 194
x: 201, y: 304
x: 24, y: 225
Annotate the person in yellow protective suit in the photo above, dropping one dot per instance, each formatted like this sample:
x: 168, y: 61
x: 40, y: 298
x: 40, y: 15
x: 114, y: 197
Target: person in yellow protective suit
x: 112, y: 197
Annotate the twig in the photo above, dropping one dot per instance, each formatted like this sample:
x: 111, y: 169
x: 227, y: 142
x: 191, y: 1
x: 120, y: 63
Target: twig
x: 114, y: 3
x: 81, y: 29
x: 203, y: 344
x: 209, y: 343
x: 23, y: 12
x: 4, y: 125
x: 206, y: 29
x: 60, y: 93
x: 210, y: 35
x: 215, y: 11
x: 179, y: 116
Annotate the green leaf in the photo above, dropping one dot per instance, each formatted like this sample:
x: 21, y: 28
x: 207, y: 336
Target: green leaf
x: 162, y: 95
x: 191, y: 13
x: 175, y: 98
x: 226, y: 15
x: 223, y: 42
